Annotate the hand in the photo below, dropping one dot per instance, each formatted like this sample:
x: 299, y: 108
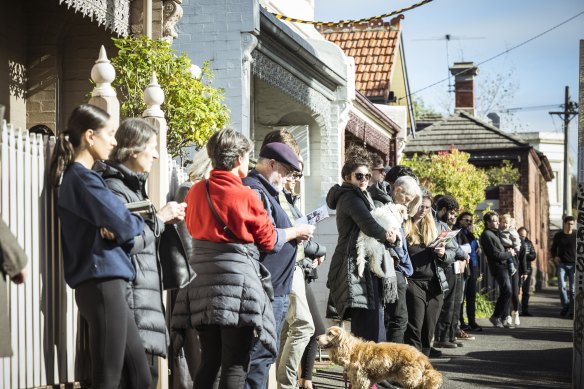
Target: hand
x: 557, y: 260
x: 391, y: 236
x: 440, y: 250
x: 523, y: 277
x: 107, y: 234
x: 317, y: 261
x: 20, y: 277
x: 304, y: 231
x: 512, y: 251
x: 172, y: 212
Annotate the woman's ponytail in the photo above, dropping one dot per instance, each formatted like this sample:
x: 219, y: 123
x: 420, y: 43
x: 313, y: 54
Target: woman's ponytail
x: 62, y: 157
x: 83, y: 118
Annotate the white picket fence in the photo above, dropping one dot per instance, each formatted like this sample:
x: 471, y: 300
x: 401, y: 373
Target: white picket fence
x: 42, y: 311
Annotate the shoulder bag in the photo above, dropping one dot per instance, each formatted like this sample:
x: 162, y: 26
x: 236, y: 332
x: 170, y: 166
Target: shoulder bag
x: 263, y: 273
x: 176, y: 270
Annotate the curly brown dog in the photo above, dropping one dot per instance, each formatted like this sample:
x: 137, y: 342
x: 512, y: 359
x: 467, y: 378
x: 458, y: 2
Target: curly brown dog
x: 367, y: 362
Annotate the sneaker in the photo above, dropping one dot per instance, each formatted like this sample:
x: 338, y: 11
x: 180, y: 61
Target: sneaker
x: 445, y: 345
x: 507, y: 322
x: 496, y: 322
x: 461, y: 335
x: 515, y: 316
x: 458, y: 343
x: 475, y: 327
x: 435, y: 353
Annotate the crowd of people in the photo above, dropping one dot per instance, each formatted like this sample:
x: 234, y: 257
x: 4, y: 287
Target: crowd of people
x: 251, y: 304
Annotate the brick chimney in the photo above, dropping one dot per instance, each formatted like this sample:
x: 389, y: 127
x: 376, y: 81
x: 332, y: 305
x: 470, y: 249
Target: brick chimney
x: 464, y: 73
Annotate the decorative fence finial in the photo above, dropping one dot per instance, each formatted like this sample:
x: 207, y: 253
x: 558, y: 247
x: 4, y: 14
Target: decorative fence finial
x: 103, y: 73
x: 153, y: 97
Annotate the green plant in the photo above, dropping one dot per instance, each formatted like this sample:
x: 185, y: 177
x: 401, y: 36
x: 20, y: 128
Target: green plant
x: 484, y: 304
x: 503, y: 175
x: 450, y: 173
x: 193, y: 109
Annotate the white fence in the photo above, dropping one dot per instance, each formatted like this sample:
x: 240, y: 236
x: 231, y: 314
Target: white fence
x: 43, y: 313
x: 42, y: 310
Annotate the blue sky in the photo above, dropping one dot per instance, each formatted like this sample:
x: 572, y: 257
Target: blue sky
x: 541, y: 69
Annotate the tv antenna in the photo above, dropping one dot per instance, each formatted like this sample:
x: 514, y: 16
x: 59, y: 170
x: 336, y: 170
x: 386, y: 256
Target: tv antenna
x: 447, y: 38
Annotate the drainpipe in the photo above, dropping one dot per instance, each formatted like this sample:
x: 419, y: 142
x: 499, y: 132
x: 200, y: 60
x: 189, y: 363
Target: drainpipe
x: 147, y: 13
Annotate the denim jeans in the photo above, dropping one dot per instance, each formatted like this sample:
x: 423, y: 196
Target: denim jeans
x: 566, y: 269
x: 261, y: 359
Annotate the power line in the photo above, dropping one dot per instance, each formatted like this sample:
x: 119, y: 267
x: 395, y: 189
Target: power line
x: 503, y: 53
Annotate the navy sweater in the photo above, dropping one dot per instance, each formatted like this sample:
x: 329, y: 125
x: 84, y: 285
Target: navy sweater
x: 85, y: 205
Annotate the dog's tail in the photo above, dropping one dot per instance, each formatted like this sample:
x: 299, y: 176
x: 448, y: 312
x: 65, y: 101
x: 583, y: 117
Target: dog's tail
x: 432, y: 379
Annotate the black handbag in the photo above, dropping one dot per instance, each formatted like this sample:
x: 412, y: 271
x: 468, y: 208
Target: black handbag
x: 263, y: 272
x: 174, y: 262
x: 176, y: 270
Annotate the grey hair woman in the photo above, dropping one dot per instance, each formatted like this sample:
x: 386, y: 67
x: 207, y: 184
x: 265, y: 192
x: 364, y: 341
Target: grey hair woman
x: 226, y: 302
x: 125, y: 174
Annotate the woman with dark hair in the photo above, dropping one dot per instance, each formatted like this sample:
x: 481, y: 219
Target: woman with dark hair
x: 125, y: 174
x: 360, y: 298
x: 97, y: 234
x: 226, y: 302
x: 428, y: 282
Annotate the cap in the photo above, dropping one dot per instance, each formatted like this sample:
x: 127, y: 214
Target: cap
x: 281, y: 153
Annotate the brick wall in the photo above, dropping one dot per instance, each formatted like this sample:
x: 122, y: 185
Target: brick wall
x: 211, y: 31
x: 529, y: 205
x: 13, y: 62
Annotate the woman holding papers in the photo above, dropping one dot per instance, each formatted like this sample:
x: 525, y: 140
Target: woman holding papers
x: 426, y: 286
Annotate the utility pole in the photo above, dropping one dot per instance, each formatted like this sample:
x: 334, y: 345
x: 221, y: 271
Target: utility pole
x: 570, y: 110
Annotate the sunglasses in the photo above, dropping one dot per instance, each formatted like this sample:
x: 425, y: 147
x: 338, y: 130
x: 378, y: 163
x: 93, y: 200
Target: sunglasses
x: 361, y: 176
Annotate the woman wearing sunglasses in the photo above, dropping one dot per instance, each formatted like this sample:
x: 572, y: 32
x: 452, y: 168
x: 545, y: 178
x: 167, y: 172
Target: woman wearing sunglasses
x: 360, y: 298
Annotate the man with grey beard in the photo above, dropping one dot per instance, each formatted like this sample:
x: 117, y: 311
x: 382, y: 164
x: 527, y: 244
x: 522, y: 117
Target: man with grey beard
x: 276, y: 165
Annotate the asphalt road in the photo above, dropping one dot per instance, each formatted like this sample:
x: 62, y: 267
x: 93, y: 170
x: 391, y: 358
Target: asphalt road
x: 537, y: 354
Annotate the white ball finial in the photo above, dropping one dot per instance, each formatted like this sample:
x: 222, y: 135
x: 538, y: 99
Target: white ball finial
x: 153, y: 97
x: 103, y: 74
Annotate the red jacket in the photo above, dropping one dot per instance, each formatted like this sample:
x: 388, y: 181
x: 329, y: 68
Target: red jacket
x: 238, y: 206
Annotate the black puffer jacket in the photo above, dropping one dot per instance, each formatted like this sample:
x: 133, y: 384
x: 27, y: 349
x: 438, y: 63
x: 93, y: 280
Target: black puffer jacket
x: 145, y: 292
x: 353, y: 207
x: 226, y: 292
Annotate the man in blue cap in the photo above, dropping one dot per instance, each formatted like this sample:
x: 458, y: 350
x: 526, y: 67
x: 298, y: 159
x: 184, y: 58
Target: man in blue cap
x: 276, y: 165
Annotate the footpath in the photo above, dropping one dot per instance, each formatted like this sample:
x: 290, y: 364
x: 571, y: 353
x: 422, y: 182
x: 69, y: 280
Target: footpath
x: 537, y: 354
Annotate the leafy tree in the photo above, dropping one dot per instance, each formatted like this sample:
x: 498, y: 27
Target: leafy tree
x: 450, y: 173
x: 194, y: 109
x: 503, y: 175
x: 421, y: 110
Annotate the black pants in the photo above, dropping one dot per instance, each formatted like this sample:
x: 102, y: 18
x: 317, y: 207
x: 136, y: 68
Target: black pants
x: 424, y: 300
x: 396, y: 314
x: 444, y: 323
x: 470, y: 294
x: 368, y: 323
x: 458, y: 303
x: 525, y: 293
x: 228, y: 348
x: 501, y: 274
x: 307, y: 362
x: 113, y: 336
x: 514, y: 293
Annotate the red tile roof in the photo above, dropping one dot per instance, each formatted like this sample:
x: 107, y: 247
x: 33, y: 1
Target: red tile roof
x: 374, y: 46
